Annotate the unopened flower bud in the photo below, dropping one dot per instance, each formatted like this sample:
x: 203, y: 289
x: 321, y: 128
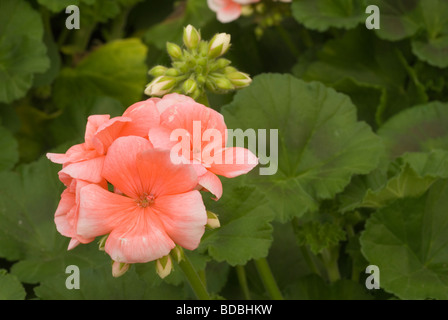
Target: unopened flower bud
x: 219, y: 45
x: 212, y: 220
x: 172, y: 72
x: 239, y: 79
x: 191, y: 37
x: 102, y: 243
x: 174, y: 50
x: 224, y: 84
x: 157, y: 71
x: 177, y: 254
x: 164, y: 266
x: 119, y: 268
x: 247, y: 10
x: 160, y: 86
x: 189, y: 86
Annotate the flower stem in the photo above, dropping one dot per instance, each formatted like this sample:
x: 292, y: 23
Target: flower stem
x: 193, y: 278
x: 331, y: 264
x: 268, y: 279
x: 203, y: 99
x: 241, y: 272
x: 309, y: 260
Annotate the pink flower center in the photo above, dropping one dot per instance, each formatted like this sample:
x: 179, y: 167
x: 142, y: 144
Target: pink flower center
x: 145, y: 200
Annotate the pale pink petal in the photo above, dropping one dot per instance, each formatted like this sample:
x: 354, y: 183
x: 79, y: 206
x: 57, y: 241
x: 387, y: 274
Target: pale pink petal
x: 233, y: 162
x: 59, y: 158
x: 183, y: 216
x: 100, y: 211
x: 211, y: 183
x: 120, y: 166
x: 172, y: 99
x: 229, y: 13
x: 141, y: 239
x: 144, y: 116
x: 108, y: 132
x: 89, y: 170
x: 245, y: 2
x: 215, y: 5
x: 73, y: 243
x: 161, y: 177
x: 195, y: 119
x: 93, y: 123
x: 67, y: 202
x: 160, y: 138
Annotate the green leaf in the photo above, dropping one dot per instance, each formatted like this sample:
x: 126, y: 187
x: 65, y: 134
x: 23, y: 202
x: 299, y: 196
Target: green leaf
x: 22, y: 51
x: 117, y: 70
x: 409, y: 176
x: 320, y: 143
x: 10, y: 287
x: 313, y: 287
x: 28, y: 200
x: 9, y: 154
x: 324, y: 14
x: 409, y: 243
x: 194, y: 12
x: 245, y: 232
x: 97, y: 283
x: 71, y: 124
x: 425, y: 21
x: 370, y: 71
x: 319, y: 236
x: 418, y: 129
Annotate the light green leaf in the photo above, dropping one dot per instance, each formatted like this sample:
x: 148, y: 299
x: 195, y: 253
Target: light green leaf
x: 323, y: 14
x: 116, y: 70
x: 320, y: 143
x: 10, y: 287
x: 245, y: 232
x: 409, y: 243
x: 22, y: 51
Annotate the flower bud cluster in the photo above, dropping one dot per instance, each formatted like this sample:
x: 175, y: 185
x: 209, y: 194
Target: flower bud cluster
x: 197, y: 67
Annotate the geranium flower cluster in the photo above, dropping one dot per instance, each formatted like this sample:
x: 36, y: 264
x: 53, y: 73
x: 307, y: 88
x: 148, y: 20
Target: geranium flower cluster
x: 126, y: 183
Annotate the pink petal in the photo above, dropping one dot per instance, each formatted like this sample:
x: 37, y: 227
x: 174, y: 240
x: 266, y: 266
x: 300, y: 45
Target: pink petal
x: 160, y: 138
x: 67, y: 202
x: 211, y: 183
x: 172, y: 99
x: 161, y: 177
x: 140, y: 239
x: 94, y: 122
x: 229, y: 13
x: 233, y: 162
x: 183, y: 216
x: 144, y: 116
x: 195, y: 119
x: 108, y: 132
x: 120, y: 166
x: 89, y: 170
x: 101, y: 211
x: 245, y: 2
x: 57, y: 157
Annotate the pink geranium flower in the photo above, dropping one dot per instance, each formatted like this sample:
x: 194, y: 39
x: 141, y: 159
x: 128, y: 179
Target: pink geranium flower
x: 228, y: 10
x: 66, y: 215
x: 85, y: 161
x: 206, y: 132
x: 157, y: 206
